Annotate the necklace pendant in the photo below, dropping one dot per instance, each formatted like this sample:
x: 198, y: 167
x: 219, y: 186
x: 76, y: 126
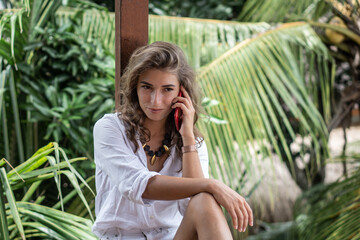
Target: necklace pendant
x: 152, y: 161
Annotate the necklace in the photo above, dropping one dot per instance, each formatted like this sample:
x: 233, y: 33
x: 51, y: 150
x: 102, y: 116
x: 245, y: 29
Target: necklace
x: 163, y: 149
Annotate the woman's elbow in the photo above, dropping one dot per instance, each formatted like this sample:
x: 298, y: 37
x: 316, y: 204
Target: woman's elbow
x: 148, y: 190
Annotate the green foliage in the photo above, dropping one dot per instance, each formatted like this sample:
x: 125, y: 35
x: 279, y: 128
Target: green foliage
x: 256, y: 94
x: 217, y: 41
x: 282, y: 11
x: 276, y: 231
x: 70, y: 84
x: 330, y: 211
x: 202, y: 40
x: 213, y: 9
x: 25, y: 213
x: 54, y: 87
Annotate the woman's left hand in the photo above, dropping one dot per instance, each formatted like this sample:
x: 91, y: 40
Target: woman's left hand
x: 187, y: 114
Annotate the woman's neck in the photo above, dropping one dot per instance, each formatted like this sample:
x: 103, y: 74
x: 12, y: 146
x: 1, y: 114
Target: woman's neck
x: 156, y: 128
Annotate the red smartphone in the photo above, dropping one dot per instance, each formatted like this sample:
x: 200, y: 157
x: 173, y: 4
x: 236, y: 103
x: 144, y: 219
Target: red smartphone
x: 177, y: 115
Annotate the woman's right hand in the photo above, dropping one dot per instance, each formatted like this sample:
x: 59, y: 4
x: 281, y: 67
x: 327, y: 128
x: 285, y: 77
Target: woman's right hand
x: 235, y: 204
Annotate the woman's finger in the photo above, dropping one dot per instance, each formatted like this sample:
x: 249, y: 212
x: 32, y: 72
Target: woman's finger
x: 240, y: 219
x: 183, y: 100
x: 246, y: 217
x: 180, y: 105
x: 234, y: 218
x: 186, y: 96
x: 185, y: 93
x: 250, y: 213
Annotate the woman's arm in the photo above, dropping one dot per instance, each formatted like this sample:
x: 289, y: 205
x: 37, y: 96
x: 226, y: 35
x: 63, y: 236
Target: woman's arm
x: 193, y: 181
x: 191, y: 167
x: 172, y: 188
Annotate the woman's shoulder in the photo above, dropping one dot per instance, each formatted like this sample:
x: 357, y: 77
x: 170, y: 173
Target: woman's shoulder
x: 110, y: 120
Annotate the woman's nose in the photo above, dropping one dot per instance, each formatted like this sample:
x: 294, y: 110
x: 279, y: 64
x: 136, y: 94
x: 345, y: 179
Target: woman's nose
x: 155, y: 97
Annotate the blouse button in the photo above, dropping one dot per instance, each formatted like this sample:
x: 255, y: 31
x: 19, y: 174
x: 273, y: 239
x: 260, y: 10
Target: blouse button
x: 152, y: 217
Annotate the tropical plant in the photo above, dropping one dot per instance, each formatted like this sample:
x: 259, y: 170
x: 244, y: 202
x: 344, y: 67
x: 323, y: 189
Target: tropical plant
x: 274, y: 82
x: 55, y: 81
x: 219, y: 41
x: 336, y: 23
x: 70, y: 82
x: 213, y: 9
x: 25, y: 214
x: 257, y: 92
x: 233, y: 79
x: 331, y: 211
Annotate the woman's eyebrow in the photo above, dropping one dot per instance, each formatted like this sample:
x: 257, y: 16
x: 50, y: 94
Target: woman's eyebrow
x: 143, y: 82
x: 167, y: 85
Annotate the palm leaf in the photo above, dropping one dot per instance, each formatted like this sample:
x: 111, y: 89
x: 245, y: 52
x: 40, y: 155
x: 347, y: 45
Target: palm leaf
x: 91, y: 21
x: 202, y: 40
x: 282, y: 11
x: 330, y: 211
x: 254, y: 81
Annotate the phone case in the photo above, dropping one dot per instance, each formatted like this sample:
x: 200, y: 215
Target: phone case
x: 177, y: 115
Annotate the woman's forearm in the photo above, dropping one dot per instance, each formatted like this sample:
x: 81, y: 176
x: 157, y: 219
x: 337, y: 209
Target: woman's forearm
x: 191, y: 167
x: 172, y: 188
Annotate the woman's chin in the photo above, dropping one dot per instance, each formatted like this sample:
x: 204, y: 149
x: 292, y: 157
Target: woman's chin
x: 157, y: 116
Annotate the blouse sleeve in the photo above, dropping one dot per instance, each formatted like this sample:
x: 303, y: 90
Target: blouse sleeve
x: 204, y: 161
x: 115, y: 157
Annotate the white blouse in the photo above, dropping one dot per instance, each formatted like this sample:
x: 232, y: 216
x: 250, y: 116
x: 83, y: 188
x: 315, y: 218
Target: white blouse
x: 121, y: 178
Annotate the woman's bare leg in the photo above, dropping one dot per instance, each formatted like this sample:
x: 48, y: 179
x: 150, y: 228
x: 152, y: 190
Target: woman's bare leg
x: 203, y: 219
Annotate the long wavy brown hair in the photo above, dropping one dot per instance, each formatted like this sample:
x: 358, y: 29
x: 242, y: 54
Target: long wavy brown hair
x: 166, y: 57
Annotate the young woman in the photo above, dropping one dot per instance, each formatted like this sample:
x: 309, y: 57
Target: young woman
x: 152, y: 179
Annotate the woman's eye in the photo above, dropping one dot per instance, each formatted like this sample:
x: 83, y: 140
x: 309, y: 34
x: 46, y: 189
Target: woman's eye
x: 168, y: 89
x: 145, y: 87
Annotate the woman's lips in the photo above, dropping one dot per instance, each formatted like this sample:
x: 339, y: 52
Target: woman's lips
x: 155, y: 110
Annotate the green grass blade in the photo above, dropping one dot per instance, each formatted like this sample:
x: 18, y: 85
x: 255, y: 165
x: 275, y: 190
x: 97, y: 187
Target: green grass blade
x: 13, y: 27
x: 15, y: 108
x: 12, y: 202
x: 4, y: 232
x: 52, y: 225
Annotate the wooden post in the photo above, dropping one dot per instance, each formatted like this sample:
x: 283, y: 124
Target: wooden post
x: 131, y: 29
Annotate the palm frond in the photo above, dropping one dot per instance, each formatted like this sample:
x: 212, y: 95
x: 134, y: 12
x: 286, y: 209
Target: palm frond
x: 95, y: 25
x: 330, y: 211
x: 282, y: 11
x: 263, y: 87
x: 202, y: 40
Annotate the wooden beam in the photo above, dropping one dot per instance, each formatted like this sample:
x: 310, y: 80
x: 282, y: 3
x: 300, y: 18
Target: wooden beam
x: 131, y: 29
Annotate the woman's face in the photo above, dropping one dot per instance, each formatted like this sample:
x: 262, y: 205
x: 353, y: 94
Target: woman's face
x: 156, y: 89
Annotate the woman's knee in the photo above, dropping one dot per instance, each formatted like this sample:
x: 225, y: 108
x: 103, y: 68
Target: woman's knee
x: 204, y: 204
